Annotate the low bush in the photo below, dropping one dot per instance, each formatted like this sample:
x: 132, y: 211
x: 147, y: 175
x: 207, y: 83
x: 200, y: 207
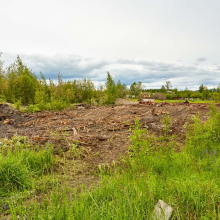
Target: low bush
x: 169, y: 97
x: 159, y: 96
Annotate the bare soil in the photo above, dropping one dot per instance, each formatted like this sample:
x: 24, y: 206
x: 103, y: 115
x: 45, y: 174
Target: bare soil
x: 103, y: 131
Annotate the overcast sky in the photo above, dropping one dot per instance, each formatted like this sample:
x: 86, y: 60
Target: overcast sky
x: 143, y: 40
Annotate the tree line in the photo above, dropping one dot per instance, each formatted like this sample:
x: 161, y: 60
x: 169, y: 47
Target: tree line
x: 20, y: 85
x: 166, y: 92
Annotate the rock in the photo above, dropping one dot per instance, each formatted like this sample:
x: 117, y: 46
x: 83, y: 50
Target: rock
x: 162, y: 211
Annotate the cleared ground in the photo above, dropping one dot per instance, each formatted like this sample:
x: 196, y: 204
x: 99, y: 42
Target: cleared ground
x: 102, y: 131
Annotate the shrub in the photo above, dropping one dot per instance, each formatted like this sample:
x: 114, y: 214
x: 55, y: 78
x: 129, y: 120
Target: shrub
x: 204, y: 137
x: 169, y: 97
x: 18, y: 104
x: 2, y: 99
x: 159, y: 96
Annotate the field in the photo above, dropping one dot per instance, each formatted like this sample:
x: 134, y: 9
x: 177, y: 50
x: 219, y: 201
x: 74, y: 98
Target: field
x: 108, y: 162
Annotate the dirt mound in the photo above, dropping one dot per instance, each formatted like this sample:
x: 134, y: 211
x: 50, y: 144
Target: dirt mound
x: 10, y: 118
x: 6, y: 109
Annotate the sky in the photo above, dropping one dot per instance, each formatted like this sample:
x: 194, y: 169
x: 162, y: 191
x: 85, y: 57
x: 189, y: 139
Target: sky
x: 152, y: 41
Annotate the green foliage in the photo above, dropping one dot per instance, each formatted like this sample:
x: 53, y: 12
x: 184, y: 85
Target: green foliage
x: 167, y: 122
x: 205, y: 93
x: 2, y: 99
x: 57, y: 104
x: 31, y: 109
x: 121, y: 90
x: 202, y: 88
x: 136, y: 88
x: 203, y: 137
x: 18, y: 104
x: 216, y: 96
x: 195, y: 95
x: 19, y: 164
x: 19, y: 83
x: 163, y: 89
x: 169, y: 96
x: 110, y: 89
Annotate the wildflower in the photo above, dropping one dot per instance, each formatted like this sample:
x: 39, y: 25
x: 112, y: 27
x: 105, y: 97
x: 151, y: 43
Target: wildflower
x: 217, y: 155
x: 214, y: 151
x: 206, y: 151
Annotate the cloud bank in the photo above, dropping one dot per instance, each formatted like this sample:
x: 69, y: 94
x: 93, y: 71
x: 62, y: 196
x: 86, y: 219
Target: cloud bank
x: 201, y: 59
x: 152, y: 73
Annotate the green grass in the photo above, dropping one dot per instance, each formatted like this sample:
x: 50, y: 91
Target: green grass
x: 134, y: 100
x: 20, y: 165
x: 154, y: 169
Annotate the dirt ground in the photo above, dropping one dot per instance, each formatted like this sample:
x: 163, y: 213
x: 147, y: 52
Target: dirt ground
x: 102, y: 131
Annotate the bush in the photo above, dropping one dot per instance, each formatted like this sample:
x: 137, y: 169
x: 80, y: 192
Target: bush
x: 159, y: 96
x: 57, y: 105
x: 169, y: 97
x: 18, y: 104
x: 31, y: 109
x: 203, y: 138
x: 2, y: 99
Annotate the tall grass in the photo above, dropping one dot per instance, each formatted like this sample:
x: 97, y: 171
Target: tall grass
x: 20, y: 163
x: 189, y: 180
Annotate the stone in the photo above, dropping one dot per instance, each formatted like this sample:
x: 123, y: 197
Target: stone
x: 162, y: 211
